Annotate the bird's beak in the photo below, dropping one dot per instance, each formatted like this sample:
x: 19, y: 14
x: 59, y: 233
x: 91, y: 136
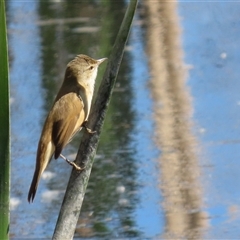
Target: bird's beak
x: 101, y: 60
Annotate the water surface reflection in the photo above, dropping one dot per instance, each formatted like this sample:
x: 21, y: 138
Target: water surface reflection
x: 112, y: 205
x: 179, y: 178
x: 138, y: 188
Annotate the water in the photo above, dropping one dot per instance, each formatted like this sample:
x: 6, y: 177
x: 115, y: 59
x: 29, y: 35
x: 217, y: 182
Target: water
x: 211, y: 45
x: 121, y: 186
x: 169, y: 177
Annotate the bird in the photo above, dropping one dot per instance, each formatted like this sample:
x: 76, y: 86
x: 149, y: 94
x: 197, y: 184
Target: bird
x: 67, y: 116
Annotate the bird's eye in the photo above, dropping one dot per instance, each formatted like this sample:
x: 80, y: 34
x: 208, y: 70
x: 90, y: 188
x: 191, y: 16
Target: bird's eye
x: 91, y: 68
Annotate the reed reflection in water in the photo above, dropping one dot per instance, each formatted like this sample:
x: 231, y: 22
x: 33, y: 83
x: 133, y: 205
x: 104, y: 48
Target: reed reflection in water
x: 179, y: 171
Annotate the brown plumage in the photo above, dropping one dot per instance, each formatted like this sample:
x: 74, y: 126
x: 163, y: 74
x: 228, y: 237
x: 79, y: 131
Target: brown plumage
x: 69, y: 111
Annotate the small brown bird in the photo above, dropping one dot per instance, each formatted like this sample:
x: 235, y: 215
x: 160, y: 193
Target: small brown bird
x: 68, y: 115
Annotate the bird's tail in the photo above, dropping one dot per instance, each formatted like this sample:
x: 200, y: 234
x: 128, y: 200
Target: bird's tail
x: 34, y: 185
x: 44, y: 156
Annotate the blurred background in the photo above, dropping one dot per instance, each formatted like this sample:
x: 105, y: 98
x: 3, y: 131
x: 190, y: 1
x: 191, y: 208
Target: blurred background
x: 167, y: 165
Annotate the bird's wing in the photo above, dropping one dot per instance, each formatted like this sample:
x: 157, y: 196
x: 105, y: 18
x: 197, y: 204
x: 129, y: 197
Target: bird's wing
x: 69, y: 116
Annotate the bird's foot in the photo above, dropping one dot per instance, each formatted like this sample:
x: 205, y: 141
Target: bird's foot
x: 72, y: 163
x: 88, y: 129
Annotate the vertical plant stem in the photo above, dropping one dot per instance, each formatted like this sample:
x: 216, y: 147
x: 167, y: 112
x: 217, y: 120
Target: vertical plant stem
x: 4, y: 128
x: 77, y: 184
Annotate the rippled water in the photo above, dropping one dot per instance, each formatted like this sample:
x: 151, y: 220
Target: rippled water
x: 167, y: 162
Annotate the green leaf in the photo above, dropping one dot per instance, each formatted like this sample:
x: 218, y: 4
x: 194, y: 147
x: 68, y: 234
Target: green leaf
x: 4, y: 128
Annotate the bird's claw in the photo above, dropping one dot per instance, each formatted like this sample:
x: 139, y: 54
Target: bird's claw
x: 88, y: 129
x: 73, y: 164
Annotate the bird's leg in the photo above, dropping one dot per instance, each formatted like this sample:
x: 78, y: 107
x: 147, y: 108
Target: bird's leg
x: 72, y: 163
x: 88, y: 129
